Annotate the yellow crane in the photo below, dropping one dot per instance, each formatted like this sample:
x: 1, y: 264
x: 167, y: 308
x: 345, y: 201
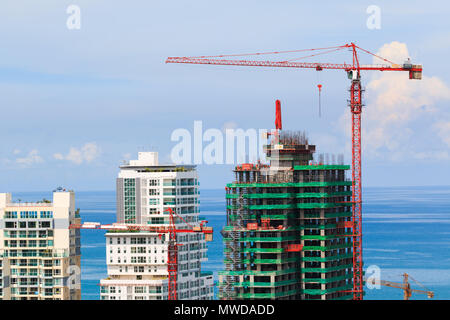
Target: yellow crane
x: 405, y: 286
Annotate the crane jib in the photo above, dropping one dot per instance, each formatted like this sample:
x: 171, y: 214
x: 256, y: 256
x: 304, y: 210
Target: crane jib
x: 286, y: 64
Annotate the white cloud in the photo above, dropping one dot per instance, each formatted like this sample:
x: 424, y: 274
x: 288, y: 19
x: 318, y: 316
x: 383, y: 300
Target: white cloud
x: 435, y: 155
x: 58, y: 156
x: 87, y: 153
x: 443, y: 129
x: 90, y: 151
x: 31, y: 158
x: 402, y: 116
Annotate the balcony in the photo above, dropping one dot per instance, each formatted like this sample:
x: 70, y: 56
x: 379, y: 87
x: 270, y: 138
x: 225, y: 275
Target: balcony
x: 169, y: 184
x: 47, y: 284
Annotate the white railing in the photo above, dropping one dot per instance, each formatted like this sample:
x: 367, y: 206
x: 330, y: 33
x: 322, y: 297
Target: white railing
x: 29, y: 204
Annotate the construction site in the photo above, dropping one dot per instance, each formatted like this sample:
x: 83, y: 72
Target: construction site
x: 211, y: 158
x: 294, y: 225
x: 288, y: 233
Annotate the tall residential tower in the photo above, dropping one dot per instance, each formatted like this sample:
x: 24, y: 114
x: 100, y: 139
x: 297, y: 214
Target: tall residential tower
x: 39, y: 254
x: 137, y: 261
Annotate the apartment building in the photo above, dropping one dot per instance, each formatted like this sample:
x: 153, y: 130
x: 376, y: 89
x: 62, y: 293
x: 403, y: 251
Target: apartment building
x: 39, y: 254
x: 137, y: 261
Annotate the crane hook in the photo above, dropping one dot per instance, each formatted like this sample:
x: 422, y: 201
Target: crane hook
x: 320, y: 90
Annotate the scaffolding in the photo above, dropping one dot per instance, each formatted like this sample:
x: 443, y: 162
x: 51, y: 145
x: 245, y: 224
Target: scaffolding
x: 288, y: 232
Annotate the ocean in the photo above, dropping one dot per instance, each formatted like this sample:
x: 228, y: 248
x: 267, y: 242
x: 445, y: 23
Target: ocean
x: 405, y: 229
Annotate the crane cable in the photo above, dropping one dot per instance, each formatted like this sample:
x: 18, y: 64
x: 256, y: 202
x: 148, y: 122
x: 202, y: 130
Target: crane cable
x: 319, y: 86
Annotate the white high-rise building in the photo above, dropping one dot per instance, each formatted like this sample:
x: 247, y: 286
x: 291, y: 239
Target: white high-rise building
x: 137, y: 261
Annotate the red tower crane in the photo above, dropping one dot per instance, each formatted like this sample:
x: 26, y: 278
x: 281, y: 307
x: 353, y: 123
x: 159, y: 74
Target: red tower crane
x: 354, y: 74
x: 172, y: 261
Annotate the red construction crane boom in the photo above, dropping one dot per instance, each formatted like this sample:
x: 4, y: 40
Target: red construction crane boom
x: 172, y: 261
x: 353, y: 71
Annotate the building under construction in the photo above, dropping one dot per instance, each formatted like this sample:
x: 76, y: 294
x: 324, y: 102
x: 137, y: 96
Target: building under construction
x: 288, y: 232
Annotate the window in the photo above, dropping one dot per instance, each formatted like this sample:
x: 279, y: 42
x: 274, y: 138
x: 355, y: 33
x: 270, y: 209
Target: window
x: 157, y: 220
x: 153, y: 183
x: 138, y: 269
x: 28, y: 214
x: 153, y: 192
x: 44, y: 224
x: 10, y: 215
x: 141, y: 250
x: 139, y: 290
x: 153, y: 201
x: 10, y: 224
x: 129, y: 200
x: 46, y: 214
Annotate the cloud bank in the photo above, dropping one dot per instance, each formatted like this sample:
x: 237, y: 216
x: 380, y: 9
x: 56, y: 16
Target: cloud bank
x: 87, y: 153
x: 403, y: 118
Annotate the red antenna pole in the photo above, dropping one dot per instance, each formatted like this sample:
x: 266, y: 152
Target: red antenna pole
x: 278, y: 124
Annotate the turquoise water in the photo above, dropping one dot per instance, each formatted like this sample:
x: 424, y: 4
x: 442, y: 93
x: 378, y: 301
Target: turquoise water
x: 405, y: 230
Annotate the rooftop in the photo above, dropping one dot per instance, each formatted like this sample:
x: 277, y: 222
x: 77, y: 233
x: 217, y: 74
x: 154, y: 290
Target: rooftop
x: 148, y: 162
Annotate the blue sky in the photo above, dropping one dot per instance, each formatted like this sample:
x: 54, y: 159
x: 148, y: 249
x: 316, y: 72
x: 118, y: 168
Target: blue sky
x: 75, y: 103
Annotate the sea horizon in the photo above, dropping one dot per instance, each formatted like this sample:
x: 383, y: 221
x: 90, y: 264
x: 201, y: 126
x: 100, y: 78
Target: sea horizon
x: 405, y: 229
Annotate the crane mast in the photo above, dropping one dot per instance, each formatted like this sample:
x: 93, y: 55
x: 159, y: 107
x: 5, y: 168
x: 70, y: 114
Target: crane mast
x: 355, y: 103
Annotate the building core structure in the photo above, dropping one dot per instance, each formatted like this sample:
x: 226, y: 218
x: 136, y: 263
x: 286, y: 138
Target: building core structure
x: 39, y: 254
x: 288, y: 232
x: 137, y: 261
